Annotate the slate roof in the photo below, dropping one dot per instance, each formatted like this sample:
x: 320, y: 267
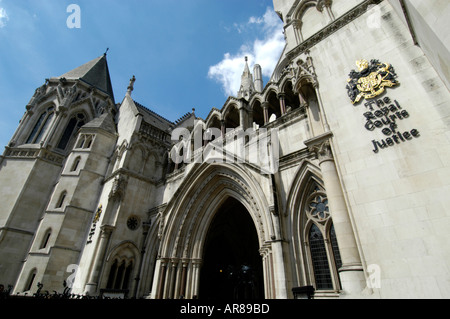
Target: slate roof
x: 154, y: 118
x: 104, y: 121
x: 95, y: 73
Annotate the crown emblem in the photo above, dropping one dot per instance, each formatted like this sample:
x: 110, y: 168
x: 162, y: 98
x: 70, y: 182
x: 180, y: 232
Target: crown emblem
x: 362, y: 65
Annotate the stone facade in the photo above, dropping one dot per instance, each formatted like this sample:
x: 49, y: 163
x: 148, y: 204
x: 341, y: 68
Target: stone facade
x: 349, y: 198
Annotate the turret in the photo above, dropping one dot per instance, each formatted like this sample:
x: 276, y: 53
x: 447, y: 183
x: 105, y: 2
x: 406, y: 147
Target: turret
x: 257, y: 74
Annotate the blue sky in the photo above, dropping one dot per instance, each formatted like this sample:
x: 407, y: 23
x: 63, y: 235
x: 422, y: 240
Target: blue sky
x: 184, y: 53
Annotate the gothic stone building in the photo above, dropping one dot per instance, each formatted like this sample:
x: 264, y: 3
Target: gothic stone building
x: 350, y: 196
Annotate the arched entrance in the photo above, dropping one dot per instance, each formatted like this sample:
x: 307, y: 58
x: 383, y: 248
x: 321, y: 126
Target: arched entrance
x: 232, y: 265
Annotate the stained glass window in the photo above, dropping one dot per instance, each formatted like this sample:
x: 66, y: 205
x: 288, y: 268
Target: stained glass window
x: 319, y: 259
x: 74, y: 124
x: 41, y: 126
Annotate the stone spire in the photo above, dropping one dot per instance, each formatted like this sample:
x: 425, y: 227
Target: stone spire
x: 247, y: 87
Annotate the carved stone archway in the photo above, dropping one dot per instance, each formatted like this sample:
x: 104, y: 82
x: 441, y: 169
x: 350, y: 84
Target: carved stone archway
x: 232, y: 265
x: 188, y: 218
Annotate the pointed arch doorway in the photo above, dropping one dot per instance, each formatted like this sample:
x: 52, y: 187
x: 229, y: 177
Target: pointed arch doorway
x: 232, y: 265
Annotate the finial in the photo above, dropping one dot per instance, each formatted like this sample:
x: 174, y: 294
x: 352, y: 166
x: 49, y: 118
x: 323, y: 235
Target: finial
x: 246, y: 59
x: 131, y: 86
x: 107, y: 49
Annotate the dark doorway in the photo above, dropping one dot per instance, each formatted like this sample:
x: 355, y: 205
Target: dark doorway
x: 232, y: 265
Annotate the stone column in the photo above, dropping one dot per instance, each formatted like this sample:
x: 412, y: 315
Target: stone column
x: 162, y: 279
x: 297, y: 25
x: 279, y: 272
x: 177, y: 284
x: 271, y: 272
x: 242, y: 118
x: 326, y: 126
x: 196, y: 264
x: 171, y: 278
x: 265, y: 107
x: 327, y: 5
x: 222, y: 128
x: 282, y: 99
x: 250, y: 119
x: 145, y: 227
x: 185, y: 264
x: 105, y: 235
x: 351, y: 272
x: 266, y: 273
x: 274, y: 275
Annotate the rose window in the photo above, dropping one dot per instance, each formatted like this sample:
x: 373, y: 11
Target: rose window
x: 318, y: 208
x: 133, y: 223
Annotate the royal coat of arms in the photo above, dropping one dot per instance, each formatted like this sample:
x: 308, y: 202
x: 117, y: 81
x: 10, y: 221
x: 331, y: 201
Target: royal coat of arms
x: 371, y: 80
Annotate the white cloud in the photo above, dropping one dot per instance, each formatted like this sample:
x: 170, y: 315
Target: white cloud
x: 256, y: 20
x: 3, y: 17
x: 265, y: 52
x: 228, y: 72
x: 238, y: 27
x: 269, y: 20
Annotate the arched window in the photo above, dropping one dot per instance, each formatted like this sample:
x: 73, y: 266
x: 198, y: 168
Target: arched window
x: 213, y: 130
x: 72, y: 127
x: 89, y: 140
x: 30, y: 280
x: 112, y: 275
x: 232, y: 118
x: 41, y: 126
x: 273, y: 106
x: 85, y: 141
x: 292, y: 101
x: 126, y: 277
x: 81, y: 141
x: 322, y: 274
x: 44, y: 242
x: 75, y: 164
x: 322, y: 246
x: 258, y: 114
x: 119, y: 275
x: 61, y: 200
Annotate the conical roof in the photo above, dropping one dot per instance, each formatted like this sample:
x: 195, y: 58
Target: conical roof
x: 95, y: 73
